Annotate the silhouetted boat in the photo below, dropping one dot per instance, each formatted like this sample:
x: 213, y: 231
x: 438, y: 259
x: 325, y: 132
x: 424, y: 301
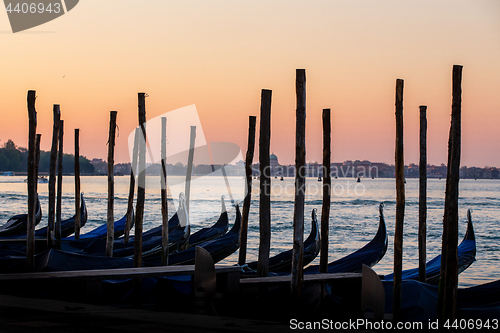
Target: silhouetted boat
x: 101, y: 231
x: 466, y: 256
x: 282, y: 262
x: 179, y: 230
x: 369, y: 255
x: 41, y: 180
x: 67, y: 225
x: 213, y: 232
x: 18, y: 224
x: 419, y: 301
x: 219, y: 248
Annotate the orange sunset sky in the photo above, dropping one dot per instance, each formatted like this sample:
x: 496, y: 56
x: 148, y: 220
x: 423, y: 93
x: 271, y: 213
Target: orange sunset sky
x: 219, y: 54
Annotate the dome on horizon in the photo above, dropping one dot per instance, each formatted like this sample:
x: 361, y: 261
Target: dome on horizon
x: 273, y: 157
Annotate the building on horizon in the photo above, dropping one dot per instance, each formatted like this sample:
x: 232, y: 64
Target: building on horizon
x: 273, y: 163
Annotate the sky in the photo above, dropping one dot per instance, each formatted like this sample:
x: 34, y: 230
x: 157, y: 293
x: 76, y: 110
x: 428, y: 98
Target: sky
x: 220, y: 54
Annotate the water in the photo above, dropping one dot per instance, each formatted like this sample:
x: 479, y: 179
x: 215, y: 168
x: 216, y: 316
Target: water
x: 353, y: 215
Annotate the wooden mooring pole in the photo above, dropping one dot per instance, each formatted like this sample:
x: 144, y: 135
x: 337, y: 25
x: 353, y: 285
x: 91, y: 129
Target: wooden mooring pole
x: 57, y: 242
x: 422, y: 200
x: 327, y: 185
x: 248, y: 195
x: 32, y: 182
x: 265, y: 183
x: 52, y: 177
x: 133, y: 172
x: 111, y: 184
x: 141, y: 183
x: 448, y: 282
x: 300, y: 185
x: 77, y: 183
x: 400, y: 202
x: 141, y: 196
x: 164, y: 203
x: 189, y: 170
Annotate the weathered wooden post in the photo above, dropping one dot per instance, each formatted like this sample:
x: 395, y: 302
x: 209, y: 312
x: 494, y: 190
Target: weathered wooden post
x: 448, y: 282
x: 248, y: 195
x: 164, y: 204
x: 77, y: 183
x: 32, y: 182
x: 265, y: 183
x: 192, y: 139
x: 141, y: 196
x: 133, y: 172
x: 400, y: 201
x: 300, y: 185
x: 57, y: 243
x: 111, y: 184
x: 422, y: 201
x: 141, y: 180
x: 52, y: 177
x: 327, y: 185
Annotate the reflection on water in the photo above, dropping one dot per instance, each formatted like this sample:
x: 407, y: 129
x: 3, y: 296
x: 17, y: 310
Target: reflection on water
x: 353, y: 215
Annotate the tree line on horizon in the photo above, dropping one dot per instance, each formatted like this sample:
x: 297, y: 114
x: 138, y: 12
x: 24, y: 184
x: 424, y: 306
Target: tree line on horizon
x: 13, y: 158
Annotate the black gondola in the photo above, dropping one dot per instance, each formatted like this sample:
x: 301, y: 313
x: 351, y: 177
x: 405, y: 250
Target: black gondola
x: 219, y: 248
x: 67, y: 227
x: 282, y: 262
x: 466, y: 256
x: 369, y: 255
x: 101, y: 231
x: 17, y: 224
x: 213, y: 232
x: 179, y: 230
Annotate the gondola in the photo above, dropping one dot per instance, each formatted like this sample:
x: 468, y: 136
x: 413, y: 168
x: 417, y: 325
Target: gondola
x: 479, y: 302
x: 419, y: 301
x: 201, y: 236
x: 369, y: 255
x: 213, y: 232
x: 58, y: 260
x: 68, y: 225
x: 173, y: 223
x: 179, y: 230
x: 53, y: 260
x: 74, y: 258
x: 17, y: 224
x: 101, y: 231
x: 219, y: 248
x: 466, y: 256
x: 67, y: 228
x: 282, y: 262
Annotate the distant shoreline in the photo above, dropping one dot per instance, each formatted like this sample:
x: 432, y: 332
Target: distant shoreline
x: 46, y: 174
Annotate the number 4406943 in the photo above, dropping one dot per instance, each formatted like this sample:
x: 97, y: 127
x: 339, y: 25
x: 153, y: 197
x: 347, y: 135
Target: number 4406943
x: 471, y: 324
x: 34, y: 8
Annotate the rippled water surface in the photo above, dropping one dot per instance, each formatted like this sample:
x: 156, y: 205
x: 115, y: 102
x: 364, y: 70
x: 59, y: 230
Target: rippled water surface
x: 353, y: 215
